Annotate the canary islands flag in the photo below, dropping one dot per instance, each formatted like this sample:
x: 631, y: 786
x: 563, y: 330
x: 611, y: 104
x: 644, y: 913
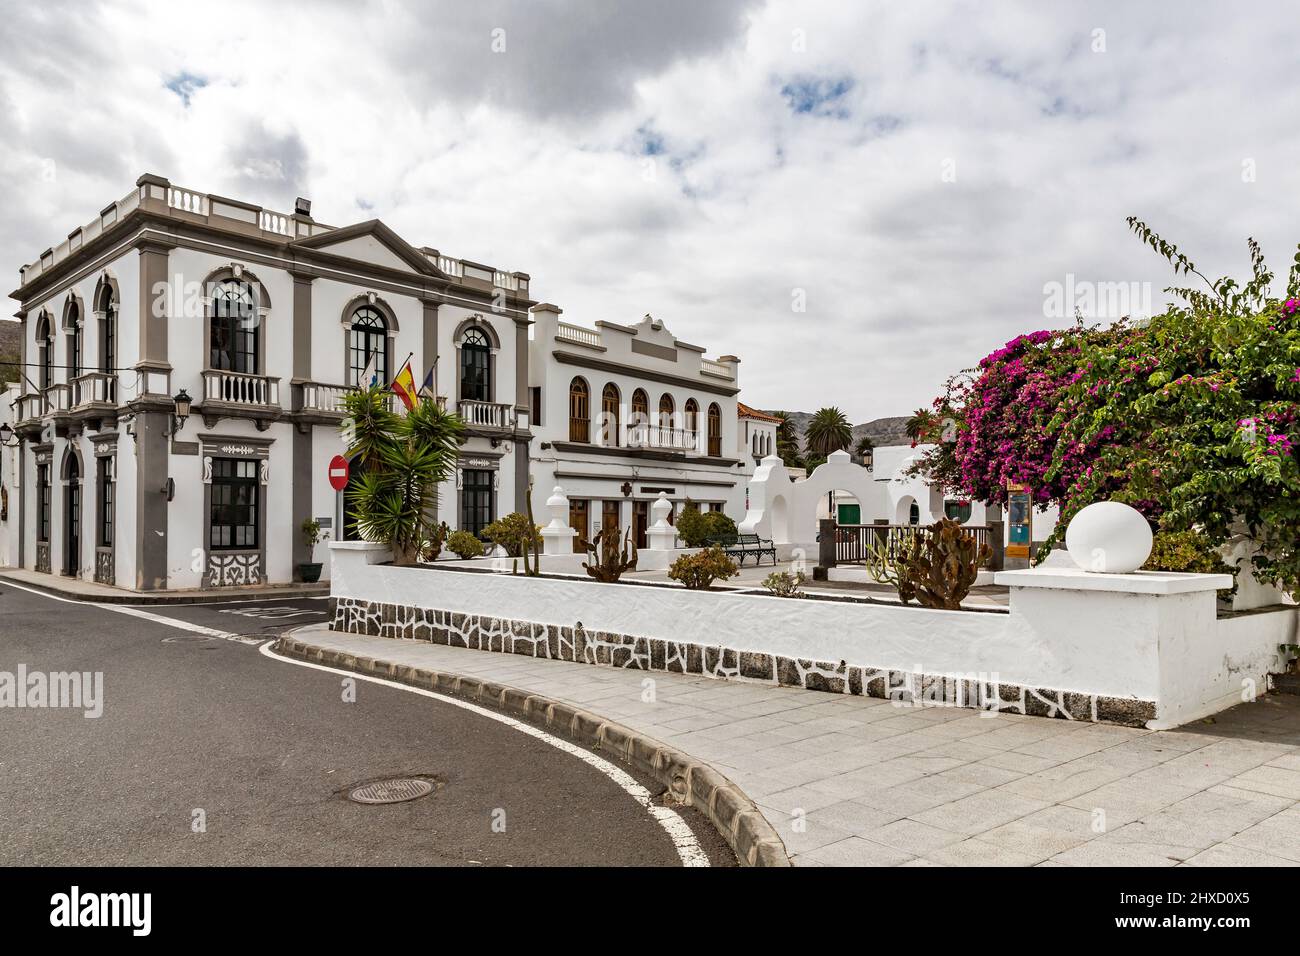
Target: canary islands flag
x: 404, y: 385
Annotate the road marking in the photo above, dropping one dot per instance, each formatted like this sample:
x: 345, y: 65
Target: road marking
x: 684, y: 841
x: 270, y: 613
x: 144, y: 615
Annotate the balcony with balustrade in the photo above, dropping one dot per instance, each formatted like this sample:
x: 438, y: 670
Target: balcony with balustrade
x: 486, y: 416
x: 239, y: 395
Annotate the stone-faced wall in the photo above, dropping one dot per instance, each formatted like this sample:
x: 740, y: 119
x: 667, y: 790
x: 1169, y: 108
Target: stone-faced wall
x: 579, y: 645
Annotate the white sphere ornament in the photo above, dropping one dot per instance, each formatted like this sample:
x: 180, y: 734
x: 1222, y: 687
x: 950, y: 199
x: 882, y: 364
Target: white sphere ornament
x: 1109, y: 537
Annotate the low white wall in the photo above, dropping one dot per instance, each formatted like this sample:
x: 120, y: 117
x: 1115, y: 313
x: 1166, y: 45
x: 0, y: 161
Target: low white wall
x: 1149, y: 636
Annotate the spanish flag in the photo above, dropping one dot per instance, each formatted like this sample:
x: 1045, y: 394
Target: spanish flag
x: 404, y: 385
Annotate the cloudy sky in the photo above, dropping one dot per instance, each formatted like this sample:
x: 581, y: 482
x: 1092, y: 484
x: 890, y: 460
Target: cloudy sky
x: 856, y: 199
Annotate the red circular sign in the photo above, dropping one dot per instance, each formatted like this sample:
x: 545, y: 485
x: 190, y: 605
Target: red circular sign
x: 338, y: 472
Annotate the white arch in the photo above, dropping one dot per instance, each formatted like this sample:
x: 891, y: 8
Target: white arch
x: 785, y: 510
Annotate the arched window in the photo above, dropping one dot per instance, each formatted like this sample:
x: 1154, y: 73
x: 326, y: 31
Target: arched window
x: 236, y: 332
x: 107, y: 308
x: 475, y: 366
x: 666, y: 409
x: 368, y: 339
x: 914, y: 513
x: 754, y: 444
x: 45, y: 349
x: 639, y: 424
x: 609, y: 414
x: 691, y: 417
x: 72, y: 325
x: 715, y: 430
x: 579, y: 411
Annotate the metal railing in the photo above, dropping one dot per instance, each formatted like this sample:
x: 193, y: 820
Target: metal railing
x: 852, y: 541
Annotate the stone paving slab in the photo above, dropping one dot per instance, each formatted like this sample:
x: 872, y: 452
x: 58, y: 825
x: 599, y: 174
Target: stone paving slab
x: 858, y: 781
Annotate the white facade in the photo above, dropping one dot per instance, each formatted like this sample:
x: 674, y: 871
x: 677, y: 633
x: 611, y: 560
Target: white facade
x: 126, y: 314
x: 623, y: 413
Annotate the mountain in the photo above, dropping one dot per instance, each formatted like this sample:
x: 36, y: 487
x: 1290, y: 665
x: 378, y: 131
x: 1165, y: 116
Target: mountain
x: 882, y: 431
x: 11, y: 337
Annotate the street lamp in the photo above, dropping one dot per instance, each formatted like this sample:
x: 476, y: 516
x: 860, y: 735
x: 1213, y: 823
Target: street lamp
x: 7, y: 436
x: 180, y: 410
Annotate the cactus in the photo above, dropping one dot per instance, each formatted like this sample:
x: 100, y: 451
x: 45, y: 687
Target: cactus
x: 532, y: 568
x: 607, y: 563
x: 940, y: 567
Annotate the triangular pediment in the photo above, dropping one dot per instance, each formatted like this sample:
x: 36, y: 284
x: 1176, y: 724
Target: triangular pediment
x: 374, y: 243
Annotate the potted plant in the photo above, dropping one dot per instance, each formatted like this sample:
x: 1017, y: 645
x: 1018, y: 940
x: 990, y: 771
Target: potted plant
x: 311, y: 536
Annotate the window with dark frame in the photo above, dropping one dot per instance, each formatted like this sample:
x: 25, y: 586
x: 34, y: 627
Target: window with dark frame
x: 367, y: 338
x: 477, y: 504
x: 108, y: 335
x: 236, y: 494
x: 715, y: 430
x: 475, y: 366
x: 45, y: 344
x: 43, y: 499
x: 235, y: 329
x: 74, y: 342
x: 579, y: 411
x: 104, y: 484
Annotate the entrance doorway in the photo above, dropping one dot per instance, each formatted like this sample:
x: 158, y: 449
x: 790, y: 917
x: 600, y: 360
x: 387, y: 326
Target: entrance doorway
x: 579, y: 521
x: 72, y: 523
x: 609, y: 513
x: 640, y: 521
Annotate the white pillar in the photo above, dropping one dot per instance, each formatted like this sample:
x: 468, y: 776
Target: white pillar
x: 557, y: 537
x: 661, y: 536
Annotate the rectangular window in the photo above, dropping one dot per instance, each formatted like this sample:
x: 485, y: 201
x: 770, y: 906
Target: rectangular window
x: 535, y: 405
x: 477, y: 504
x: 236, y: 494
x: 105, y: 487
x: 43, y: 503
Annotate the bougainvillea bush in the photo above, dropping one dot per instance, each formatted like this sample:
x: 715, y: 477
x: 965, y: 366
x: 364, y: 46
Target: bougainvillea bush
x: 1191, y: 417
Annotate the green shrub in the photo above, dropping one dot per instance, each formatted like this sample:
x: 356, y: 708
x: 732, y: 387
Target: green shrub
x: 1186, y: 551
x: 514, y: 532
x: 784, y: 584
x: 465, y: 544
x: 432, y: 545
x: 698, y: 571
x: 696, y: 527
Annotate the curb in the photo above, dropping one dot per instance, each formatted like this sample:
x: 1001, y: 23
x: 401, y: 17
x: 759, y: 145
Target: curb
x: 273, y: 592
x: 691, y: 781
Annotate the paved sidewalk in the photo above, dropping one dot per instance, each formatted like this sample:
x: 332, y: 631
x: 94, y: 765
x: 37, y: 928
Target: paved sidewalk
x: 79, y: 590
x: 861, y: 781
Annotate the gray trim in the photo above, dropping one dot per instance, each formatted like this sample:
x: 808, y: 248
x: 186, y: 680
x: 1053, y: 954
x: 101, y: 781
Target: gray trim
x: 236, y: 554
x: 579, y: 448
x: 521, y: 366
x: 658, y: 351
x: 302, y: 492
x: 302, y: 288
x: 643, y: 478
x: 521, y: 477
x: 151, y: 471
x: 664, y: 378
x: 429, y: 341
x: 153, y: 329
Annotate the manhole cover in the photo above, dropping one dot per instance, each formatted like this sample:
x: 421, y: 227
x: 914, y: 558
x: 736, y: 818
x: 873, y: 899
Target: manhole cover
x: 186, y: 639
x: 391, y: 791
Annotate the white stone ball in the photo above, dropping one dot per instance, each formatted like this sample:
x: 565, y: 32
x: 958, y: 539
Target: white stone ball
x: 1109, y: 537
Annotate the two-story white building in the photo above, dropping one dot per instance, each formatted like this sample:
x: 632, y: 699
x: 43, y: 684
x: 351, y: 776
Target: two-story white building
x: 255, y: 323
x: 621, y: 413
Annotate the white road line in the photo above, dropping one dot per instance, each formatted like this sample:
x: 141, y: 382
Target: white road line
x: 684, y: 841
x: 145, y: 615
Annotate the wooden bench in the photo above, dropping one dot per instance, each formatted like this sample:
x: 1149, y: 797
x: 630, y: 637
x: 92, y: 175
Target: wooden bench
x: 741, y: 546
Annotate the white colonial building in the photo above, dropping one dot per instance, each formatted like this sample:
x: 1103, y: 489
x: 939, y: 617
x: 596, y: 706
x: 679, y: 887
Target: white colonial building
x: 622, y: 413
x: 255, y: 322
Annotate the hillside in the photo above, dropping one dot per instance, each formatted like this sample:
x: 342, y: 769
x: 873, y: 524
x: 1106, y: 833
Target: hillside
x: 882, y: 431
x: 11, y: 336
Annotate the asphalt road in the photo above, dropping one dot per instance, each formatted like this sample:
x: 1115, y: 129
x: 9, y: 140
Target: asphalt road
x: 262, y: 753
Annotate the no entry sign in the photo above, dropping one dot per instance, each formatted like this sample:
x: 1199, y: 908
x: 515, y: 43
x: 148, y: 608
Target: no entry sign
x: 338, y: 472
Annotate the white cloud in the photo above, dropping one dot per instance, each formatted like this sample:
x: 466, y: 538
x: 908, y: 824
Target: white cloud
x: 650, y: 159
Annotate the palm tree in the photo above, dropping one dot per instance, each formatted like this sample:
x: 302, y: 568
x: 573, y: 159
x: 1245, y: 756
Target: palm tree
x: 787, y: 441
x: 918, y: 425
x: 401, y: 460
x: 828, y: 431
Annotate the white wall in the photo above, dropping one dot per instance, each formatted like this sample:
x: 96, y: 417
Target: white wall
x: 1149, y: 636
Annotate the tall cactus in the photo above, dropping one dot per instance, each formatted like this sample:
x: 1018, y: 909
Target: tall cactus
x: 941, y: 566
x: 607, y: 563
